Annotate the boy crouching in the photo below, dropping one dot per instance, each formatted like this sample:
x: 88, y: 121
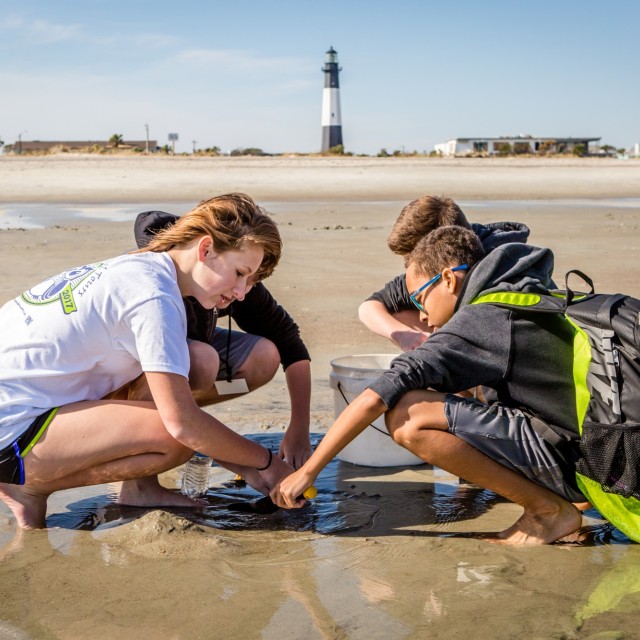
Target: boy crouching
x: 522, y: 361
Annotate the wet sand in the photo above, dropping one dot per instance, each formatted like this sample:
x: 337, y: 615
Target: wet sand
x: 382, y: 553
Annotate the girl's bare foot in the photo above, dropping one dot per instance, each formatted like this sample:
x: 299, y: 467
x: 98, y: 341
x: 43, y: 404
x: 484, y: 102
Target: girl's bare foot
x: 29, y: 509
x: 148, y: 492
x: 542, y: 527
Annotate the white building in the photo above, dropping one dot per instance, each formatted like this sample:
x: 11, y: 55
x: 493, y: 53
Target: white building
x: 508, y: 145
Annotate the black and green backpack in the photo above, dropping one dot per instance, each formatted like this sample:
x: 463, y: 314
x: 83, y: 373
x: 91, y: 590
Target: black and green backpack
x: 606, y: 372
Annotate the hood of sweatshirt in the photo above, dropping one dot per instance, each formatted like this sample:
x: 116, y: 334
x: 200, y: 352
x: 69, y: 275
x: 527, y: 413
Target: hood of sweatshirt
x: 494, y: 234
x: 148, y: 223
x: 509, y: 267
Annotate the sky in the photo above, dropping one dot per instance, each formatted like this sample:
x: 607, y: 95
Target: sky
x: 248, y: 73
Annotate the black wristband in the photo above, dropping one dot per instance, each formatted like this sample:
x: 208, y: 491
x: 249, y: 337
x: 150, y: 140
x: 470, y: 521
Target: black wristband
x: 268, y: 463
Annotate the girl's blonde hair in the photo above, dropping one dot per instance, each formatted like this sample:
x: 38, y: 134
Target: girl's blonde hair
x: 229, y: 220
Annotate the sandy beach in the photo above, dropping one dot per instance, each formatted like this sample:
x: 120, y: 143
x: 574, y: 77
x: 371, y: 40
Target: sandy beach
x: 91, y: 179
x: 382, y: 553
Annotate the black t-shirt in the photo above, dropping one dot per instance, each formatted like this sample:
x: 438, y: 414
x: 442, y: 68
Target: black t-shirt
x: 258, y: 313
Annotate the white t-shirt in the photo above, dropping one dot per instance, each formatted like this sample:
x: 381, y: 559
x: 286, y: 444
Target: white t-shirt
x: 87, y: 331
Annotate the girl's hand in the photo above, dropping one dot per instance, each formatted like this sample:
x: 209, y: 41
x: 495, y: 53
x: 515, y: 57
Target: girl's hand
x: 262, y: 481
x: 276, y: 471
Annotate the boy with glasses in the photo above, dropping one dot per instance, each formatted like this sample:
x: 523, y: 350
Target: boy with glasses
x: 524, y: 363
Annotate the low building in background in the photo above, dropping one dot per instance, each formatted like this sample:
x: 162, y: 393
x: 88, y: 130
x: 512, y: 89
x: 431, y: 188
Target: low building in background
x: 517, y: 145
x: 48, y: 146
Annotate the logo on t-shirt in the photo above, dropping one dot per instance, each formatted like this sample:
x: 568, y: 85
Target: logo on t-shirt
x: 61, y: 287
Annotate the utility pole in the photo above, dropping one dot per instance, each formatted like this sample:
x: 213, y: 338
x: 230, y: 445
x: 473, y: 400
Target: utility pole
x: 20, y: 141
x: 146, y: 126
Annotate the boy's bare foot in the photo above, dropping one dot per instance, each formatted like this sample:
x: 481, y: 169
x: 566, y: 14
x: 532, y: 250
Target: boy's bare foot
x: 29, y: 509
x: 541, y: 527
x: 148, y: 492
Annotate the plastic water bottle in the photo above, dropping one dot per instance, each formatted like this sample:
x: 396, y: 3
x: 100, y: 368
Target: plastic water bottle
x: 195, y: 477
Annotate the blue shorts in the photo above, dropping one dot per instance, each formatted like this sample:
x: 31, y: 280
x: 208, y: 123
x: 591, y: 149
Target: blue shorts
x: 506, y: 436
x: 233, y: 352
x: 11, y: 464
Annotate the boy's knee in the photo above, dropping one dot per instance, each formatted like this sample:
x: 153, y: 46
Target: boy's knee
x: 268, y: 354
x: 399, y: 417
x: 414, y: 416
x: 400, y: 427
x: 262, y: 363
x: 205, y: 363
x: 392, y: 422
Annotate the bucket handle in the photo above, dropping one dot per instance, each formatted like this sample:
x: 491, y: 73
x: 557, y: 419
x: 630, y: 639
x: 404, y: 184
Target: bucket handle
x: 373, y: 426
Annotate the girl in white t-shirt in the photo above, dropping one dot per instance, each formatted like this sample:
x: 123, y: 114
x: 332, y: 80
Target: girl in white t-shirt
x: 68, y: 344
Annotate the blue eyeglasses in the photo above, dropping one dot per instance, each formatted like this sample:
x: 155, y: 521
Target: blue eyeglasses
x: 415, y: 294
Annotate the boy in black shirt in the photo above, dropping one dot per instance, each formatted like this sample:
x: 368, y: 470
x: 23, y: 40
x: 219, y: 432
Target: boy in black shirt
x: 269, y: 338
x: 389, y: 311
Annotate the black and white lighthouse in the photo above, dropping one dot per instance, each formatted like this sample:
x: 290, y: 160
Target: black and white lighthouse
x: 331, y: 121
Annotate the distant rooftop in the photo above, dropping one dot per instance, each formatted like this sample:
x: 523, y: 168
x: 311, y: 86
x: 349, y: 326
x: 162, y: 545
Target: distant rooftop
x: 529, y: 137
x: 519, y: 144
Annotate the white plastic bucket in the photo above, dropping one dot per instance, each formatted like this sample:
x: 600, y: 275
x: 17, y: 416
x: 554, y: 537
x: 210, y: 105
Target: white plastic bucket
x: 374, y: 447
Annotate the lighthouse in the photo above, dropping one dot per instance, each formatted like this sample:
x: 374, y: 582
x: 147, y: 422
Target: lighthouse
x: 331, y: 121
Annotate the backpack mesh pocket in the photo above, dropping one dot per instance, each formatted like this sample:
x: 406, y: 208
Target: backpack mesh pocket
x: 610, y: 455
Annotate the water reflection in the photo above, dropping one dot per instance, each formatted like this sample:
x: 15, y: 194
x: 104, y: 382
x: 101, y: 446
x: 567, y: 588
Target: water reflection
x: 40, y: 215
x: 352, y: 500
x: 617, y: 592
x: 395, y: 570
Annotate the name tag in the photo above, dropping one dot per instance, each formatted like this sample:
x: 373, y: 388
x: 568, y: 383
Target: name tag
x: 225, y: 388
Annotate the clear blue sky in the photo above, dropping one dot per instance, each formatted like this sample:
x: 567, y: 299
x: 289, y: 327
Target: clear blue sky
x: 246, y: 73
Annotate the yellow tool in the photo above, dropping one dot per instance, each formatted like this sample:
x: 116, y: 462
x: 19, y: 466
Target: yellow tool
x: 265, y: 505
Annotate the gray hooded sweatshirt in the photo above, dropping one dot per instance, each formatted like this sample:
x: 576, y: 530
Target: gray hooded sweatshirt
x: 522, y: 360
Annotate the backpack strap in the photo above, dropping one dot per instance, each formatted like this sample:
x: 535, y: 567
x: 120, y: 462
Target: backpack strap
x: 523, y: 301
x: 605, y: 311
x: 570, y: 295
